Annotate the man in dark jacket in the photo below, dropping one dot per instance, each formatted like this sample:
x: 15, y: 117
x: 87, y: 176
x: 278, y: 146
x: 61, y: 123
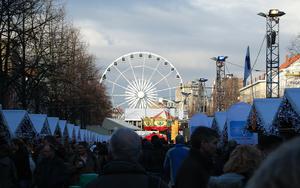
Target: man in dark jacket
x: 124, y: 170
x: 174, y: 159
x: 198, y: 166
x: 51, y: 170
x: 8, y: 172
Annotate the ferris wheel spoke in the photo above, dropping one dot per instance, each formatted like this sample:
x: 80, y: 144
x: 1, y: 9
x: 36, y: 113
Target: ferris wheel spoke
x: 163, y: 78
x: 135, y: 102
x: 152, y: 101
x: 121, y: 104
x: 121, y: 95
x: 143, y: 71
x: 114, y: 83
x: 131, y: 102
x: 132, y: 70
x: 147, y: 85
x: 154, y: 71
x: 132, y: 88
x: 122, y: 75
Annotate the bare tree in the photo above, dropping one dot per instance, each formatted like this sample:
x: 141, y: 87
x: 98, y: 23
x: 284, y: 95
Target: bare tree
x: 294, y: 47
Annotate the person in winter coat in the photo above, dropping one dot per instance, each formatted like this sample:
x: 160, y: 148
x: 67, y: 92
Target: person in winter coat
x: 51, y: 171
x: 8, y: 172
x: 124, y: 170
x: 198, y: 165
x: 174, y: 159
x: 242, y: 163
x: 20, y: 157
x: 280, y: 169
x: 82, y: 162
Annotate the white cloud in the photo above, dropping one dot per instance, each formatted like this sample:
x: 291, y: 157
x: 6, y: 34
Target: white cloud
x: 186, y: 32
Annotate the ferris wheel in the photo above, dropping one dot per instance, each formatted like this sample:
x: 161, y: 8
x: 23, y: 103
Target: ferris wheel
x: 140, y: 80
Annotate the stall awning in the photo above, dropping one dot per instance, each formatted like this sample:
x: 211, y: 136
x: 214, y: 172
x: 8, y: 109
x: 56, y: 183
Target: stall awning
x: 111, y: 124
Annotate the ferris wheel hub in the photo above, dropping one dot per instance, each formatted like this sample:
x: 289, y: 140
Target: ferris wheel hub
x: 141, y: 94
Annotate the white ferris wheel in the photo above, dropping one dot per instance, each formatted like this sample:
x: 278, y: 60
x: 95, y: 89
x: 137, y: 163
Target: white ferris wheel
x: 140, y: 80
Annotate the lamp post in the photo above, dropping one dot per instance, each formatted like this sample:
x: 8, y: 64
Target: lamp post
x: 272, y: 51
x: 220, y: 94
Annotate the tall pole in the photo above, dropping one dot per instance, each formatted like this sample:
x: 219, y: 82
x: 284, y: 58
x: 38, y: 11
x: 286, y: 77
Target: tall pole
x: 220, y: 93
x: 272, y: 52
x: 201, y: 96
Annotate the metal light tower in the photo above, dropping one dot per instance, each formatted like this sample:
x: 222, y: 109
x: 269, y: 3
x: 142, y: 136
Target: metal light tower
x: 220, y: 93
x: 201, y: 95
x: 272, y: 52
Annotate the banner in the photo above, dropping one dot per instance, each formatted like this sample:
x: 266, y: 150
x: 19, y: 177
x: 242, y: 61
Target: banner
x: 174, y: 130
x: 238, y: 132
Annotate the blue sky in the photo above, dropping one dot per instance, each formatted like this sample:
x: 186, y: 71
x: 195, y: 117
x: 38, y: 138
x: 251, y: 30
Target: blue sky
x: 186, y: 32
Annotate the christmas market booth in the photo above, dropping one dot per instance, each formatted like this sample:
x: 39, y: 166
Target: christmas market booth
x: 219, y: 122
x: 4, y: 131
x: 40, y: 123
x: 287, y: 122
x: 162, y: 122
x: 197, y: 120
x: 235, y: 127
x: 63, y: 130
x: 19, y: 124
x: 262, y: 115
x: 54, y: 127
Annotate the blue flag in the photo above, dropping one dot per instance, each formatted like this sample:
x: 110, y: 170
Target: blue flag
x: 247, y: 69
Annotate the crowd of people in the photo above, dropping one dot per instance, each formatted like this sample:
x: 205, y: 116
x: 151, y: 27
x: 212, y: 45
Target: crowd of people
x: 130, y: 161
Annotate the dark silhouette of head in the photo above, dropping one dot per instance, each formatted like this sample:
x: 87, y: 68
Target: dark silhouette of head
x: 205, y: 139
x: 125, y: 145
x: 280, y: 169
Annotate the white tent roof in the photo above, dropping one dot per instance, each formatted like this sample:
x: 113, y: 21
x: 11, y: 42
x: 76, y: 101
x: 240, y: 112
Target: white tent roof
x: 199, y: 119
x: 38, y: 121
x: 14, y: 118
x: 210, y: 121
x: 220, y: 118
x: 267, y: 110
x: 62, y: 125
x: 3, y: 123
x: 293, y: 96
x: 70, y: 128
x: 238, y: 112
x: 82, y: 132
x: 76, y: 130
x: 111, y: 124
x: 53, y: 123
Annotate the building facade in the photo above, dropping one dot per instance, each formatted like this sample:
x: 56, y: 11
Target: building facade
x: 232, y: 85
x: 289, y: 77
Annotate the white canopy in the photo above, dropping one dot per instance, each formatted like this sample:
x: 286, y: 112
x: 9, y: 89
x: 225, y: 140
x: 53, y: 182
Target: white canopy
x: 70, y: 128
x: 40, y: 123
x: 3, y: 126
x: 210, y: 121
x: 266, y: 110
x: 62, y: 126
x: 76, y: 132
x: 293, y: 96
x: 220, y: 118
x: 199, y: 119
x: 112, y: 124
x: 15, y: 120
x: 53, y: 124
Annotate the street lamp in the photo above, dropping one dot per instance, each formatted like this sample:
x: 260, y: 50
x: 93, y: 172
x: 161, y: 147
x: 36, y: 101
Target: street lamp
x: 272, y: 51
